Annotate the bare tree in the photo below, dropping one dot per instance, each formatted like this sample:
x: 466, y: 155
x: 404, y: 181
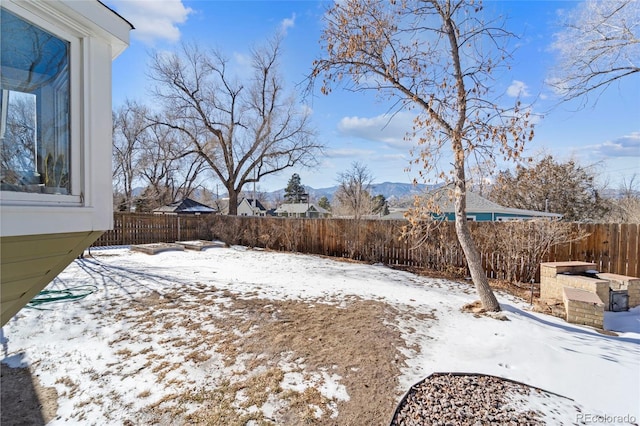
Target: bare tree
x: 625, y: 208
x: 153, y: 156
x: 436, y: 57
x: 167, y: 166
x: 129, y: 127
x: 353, y: 194
x: 521, y: 246
x: 480, y: 175
x: 244, y: 131
x: 598, y: 45
x: 18, y: 159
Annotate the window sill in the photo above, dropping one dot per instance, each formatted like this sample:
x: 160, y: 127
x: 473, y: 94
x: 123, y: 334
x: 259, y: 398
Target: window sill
x: 11, y: 198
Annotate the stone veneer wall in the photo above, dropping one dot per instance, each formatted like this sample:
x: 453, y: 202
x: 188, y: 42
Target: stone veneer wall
x: 592, y: 285
x: 583, y: 307
x: 585, y: 299
x: 634, y: 294
x: 552, y: 281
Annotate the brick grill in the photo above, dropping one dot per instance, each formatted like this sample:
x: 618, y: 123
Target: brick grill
x: 558, y: 280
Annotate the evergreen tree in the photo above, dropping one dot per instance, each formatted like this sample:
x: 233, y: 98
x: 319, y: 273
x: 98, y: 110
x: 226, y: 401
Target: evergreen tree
x: 548, y: 185
x: 324, y: 203
x: 295, y: 192
x: 379, y: 205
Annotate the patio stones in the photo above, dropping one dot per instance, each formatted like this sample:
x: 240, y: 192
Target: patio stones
x: 199, y: 245
x: 156, y: 247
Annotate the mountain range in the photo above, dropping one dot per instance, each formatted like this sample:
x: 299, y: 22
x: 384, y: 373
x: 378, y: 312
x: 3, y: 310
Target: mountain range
x: 390, y: 190
x: 394, y: 192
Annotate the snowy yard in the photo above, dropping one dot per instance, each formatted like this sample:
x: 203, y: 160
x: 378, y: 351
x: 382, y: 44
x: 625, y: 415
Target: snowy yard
x: 241, y: 336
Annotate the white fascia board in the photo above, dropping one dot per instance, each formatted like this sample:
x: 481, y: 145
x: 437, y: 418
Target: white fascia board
x: 105, y: 21
x: 86, y: 17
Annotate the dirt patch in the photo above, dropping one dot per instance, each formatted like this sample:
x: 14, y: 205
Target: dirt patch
x: 478, y: 311
x: 321, y: 361
x: 23, y: 400
x: 352, y: 340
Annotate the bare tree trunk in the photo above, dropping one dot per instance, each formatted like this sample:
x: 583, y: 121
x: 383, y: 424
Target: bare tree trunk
x: 488, y: 299
x: 233, y: 201
x: 471, y: 253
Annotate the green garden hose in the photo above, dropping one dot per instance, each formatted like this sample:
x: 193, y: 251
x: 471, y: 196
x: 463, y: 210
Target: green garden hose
x: 68, y: 294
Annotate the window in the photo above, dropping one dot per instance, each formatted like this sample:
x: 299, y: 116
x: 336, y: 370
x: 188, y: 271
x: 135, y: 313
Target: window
x: 508, y: 219
x: 35, y: 124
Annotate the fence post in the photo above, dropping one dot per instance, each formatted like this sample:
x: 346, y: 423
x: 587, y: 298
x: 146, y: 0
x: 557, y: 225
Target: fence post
x: 614, y: 248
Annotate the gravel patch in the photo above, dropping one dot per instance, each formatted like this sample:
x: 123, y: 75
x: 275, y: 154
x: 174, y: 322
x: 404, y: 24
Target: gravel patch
x: 468, y: 399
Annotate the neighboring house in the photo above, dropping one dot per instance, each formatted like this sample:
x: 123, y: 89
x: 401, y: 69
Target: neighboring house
x: 309, y: 210
x: 251, y: 207
x: 395, y: 213
x: 246, y: 207
x: 479, y: 209
x: 186, y: 206
x: 56, y: 188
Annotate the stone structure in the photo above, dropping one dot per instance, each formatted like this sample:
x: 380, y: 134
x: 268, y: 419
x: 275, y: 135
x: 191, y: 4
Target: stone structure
x: 583, y: 307
x: 568, y: 282
x: 622, y: 282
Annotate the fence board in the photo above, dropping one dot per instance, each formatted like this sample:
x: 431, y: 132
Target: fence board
x: 620, y: 254
x: 633, y: 254
x: 613, y: 247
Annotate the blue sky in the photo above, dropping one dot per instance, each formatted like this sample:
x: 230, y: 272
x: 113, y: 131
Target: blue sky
x: 352, y: 125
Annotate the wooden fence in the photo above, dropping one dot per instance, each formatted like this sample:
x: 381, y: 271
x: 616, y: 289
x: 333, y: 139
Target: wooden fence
x: 612, y: 247
x: 132, y: 228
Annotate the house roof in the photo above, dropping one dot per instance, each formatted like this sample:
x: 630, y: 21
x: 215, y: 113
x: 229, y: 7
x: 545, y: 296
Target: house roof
x: 222, y: 204
x: 299, y: 208
x: 475, y: 204
x: 254, y: 203
x: 185, y: 206
x: 479, y: 204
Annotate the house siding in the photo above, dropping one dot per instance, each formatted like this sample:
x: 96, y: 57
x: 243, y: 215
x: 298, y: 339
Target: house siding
x: 29, y: 263
x: 490, y: 217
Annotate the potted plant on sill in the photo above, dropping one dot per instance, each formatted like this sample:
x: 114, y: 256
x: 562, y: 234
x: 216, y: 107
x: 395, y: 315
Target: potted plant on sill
x: 56, y: 175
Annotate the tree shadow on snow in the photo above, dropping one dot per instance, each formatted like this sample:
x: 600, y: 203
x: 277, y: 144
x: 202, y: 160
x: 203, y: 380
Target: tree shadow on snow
x: 110, y: 276
x: 568, y: 327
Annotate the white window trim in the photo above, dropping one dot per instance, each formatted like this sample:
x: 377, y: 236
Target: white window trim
x: 101, y: 37
x: 60, y: 30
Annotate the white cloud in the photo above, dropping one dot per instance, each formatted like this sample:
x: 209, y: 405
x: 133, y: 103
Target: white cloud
x: 557, y: 86
x: 625, y: 146
x: 153, y: 19
x: 388, y: 129
x: 517, y: 89
x: 307, y: 110
x: 242, y: 59
x: 287, y: 23
x: 348, y: 153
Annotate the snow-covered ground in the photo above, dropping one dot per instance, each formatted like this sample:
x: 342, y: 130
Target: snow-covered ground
x: 601, y: 373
